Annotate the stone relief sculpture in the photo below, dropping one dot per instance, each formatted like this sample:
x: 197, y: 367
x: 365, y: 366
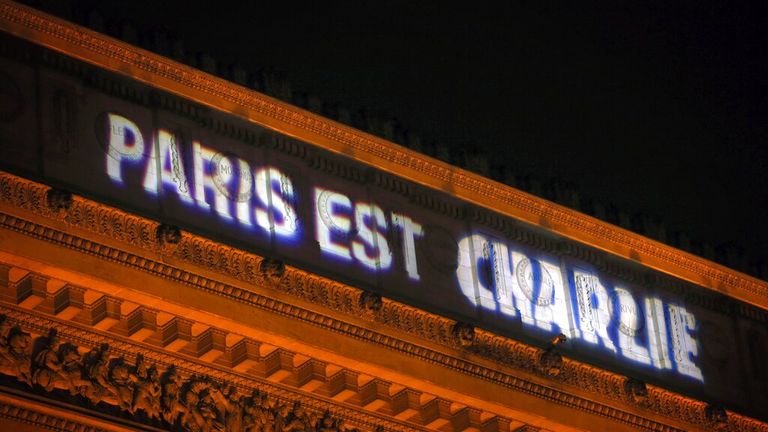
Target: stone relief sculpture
x: 14, y: 352
x: 96, y: 378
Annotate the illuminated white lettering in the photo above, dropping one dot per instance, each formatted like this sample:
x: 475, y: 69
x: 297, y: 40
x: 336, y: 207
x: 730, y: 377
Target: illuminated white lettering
x: 328, y: 221
x: 244, y: 187
x: 630, y: 323
x: 493, y: 275
x: 594, y: 308
x: 371, y: 237
x: 684, y: 345
x: 496, y: 255
x: 471, y: 250
x: 657, y: 333
x: 204, y: 180
x: 539, y: 294
x: 167, y: 157
x: 410, y: 230
x: 125, y: 143
x: 275, y: 191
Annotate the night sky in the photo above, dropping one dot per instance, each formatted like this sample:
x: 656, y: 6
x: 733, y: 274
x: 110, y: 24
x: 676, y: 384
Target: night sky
x: 659, y: 108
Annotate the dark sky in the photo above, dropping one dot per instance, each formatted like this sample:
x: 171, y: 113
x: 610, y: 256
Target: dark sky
x: 658, y: 107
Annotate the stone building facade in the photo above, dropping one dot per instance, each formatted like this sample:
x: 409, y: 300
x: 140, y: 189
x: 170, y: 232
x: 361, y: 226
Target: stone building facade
x: 178, y: 252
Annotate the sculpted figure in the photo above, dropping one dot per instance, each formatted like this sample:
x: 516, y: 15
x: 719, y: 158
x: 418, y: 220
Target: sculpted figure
x: 207, y: 409
x: 249, y: 411
x: 230, y: 408
x: 199, y: 408
x: 327, y: 423
x: 170, y: 395
x: 191, y: 418
x: 298, y: 419
x: 72, y: 370
x: 147, y: 392
x: 121, y: 379
x: 257, y: 413
x: 47, y: 368
x: 140, y: 369
x: 95, y: 364
x: 636, y: 391
x: 550, y: 361
x: 14, y: 352
x: 717, y: 417
x: 282, y: 417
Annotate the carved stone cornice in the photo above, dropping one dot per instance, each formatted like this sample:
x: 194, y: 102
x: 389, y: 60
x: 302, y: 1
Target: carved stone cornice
x: 134, y: 232
x: 168, y: 75
x: 43, y: 421
x: 20, y: 407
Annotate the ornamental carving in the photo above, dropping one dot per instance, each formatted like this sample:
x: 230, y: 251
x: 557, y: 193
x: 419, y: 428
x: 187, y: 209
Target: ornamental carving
x: 168, y: 237
x: 636, y: 391
x: 14, y: 351
x: 370, y: 304
x: 272, y: 270
x: 96, y: 378
x: 59, y: 202
x: 43, y: 421
x: 463, y: 334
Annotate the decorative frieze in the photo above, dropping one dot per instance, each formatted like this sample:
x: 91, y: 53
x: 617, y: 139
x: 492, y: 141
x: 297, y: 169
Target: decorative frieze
x: 215, y: 346
x: 158, y: 395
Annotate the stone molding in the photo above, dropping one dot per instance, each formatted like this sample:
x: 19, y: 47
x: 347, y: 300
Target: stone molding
x: 43, y: 420
x: 220, y: 94
x: 103, y: 221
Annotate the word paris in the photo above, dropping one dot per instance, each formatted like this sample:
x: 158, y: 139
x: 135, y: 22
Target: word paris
x: 349, y: 236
